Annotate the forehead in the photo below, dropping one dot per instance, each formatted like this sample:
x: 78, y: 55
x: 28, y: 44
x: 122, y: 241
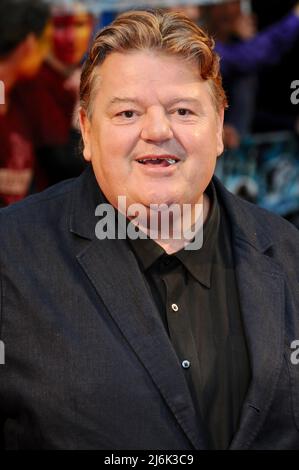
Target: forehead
x: 136, y: 69
x: 71, y: 19
x: 147, y: 78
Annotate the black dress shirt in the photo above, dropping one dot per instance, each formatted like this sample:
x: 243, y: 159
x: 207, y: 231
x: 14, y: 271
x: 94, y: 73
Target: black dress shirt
x: 197, y: 297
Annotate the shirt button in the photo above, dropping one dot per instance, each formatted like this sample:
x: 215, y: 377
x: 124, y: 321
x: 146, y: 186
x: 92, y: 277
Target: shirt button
x: 186, y: 364
x: 174, y: 307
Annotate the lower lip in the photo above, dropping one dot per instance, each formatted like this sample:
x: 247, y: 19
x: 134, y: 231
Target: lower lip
x: 153, y: 169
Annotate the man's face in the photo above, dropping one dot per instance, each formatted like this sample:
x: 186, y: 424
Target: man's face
x: 192, y: 11
x: 149, y: 105
x: 71, y: 36
x: 223, y: 17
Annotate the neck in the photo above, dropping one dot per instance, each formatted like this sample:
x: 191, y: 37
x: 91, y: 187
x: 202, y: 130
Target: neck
x: 62, y: 69
x: 179, y: 229
x: 198, y: 218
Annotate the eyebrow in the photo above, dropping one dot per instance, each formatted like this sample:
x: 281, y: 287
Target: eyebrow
x: 117, y: 100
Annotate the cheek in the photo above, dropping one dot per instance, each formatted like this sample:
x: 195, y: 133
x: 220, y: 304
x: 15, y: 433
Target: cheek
x: 62, y: 38
x: 116, y: 142
x: 201, y: 149
x: 200, y: 144
x: 63, y: 45
x: 110, y: 155
x: 82, y: 38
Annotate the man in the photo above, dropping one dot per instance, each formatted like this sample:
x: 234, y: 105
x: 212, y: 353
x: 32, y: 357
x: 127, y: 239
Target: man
x: 125, y: 342
x: 25, y: 34
x: 54, y: 93
x: 243, y: 53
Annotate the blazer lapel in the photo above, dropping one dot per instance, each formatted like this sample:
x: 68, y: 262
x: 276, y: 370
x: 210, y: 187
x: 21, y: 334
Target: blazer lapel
x: 113, y: 270
x: 261, y: 291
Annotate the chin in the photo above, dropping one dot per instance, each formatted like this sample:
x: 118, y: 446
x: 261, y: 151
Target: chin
x: 67, y: 61
x: 161, y: 199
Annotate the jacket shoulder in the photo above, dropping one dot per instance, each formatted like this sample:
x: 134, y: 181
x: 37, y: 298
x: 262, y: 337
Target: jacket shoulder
x: 38, y: 206
x: 268, y: 222
x: 35, y: 221
x: 250, y: 218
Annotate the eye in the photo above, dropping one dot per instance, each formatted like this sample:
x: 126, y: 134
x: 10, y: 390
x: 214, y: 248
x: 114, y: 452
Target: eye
x: 81, y: 24
x: 184, y: 112
x: 127, y: 114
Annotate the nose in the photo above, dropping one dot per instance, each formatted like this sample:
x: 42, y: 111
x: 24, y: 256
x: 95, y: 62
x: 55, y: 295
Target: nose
x: 156, y: 126
x: 71, y: 34
x: 65, y: 36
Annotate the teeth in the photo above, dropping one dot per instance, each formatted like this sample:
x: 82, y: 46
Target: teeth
x: 171, y: 161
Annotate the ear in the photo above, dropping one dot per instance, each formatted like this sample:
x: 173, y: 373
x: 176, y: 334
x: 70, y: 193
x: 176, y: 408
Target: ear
x: 85, y: 126
x: 219, y: 131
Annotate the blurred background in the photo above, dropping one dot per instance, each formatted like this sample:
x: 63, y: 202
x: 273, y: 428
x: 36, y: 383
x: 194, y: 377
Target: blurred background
x: 42, y: 48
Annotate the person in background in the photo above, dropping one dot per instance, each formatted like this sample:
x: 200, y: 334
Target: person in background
x: 25, y: 34
x: 54, y: 94
x: 251, y: 51
x: 230, y: 27
x: 243, y: 52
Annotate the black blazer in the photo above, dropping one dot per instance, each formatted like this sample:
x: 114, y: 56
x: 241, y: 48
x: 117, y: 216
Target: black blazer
x: 88, y: 362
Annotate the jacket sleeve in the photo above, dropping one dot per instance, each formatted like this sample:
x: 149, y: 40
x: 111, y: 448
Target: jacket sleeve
x: 266, y: 48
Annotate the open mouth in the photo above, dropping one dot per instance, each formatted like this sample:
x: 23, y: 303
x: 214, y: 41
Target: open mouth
x: 158, y: 161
